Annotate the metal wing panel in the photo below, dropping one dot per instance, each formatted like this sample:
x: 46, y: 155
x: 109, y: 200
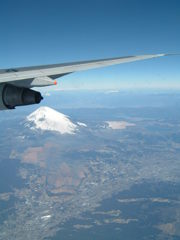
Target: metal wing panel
x: 19, y: 74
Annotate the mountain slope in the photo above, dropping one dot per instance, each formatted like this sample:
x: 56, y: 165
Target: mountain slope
x: 48, y: 119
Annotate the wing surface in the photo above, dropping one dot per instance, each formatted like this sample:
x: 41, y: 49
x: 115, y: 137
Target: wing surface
x: 44, y: 75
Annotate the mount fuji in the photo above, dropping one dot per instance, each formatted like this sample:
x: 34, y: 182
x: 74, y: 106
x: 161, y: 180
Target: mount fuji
x: 48, y: 119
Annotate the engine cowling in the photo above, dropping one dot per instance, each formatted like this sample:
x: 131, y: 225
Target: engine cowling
x: 12, y: 96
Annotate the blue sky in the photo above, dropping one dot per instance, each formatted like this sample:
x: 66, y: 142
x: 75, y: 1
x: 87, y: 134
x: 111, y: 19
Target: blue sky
x: 37, y: 32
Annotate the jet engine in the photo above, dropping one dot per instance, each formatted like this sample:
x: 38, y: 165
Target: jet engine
x: 12, y: 96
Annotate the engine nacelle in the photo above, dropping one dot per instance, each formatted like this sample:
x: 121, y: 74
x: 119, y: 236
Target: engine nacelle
x: 12, y: 96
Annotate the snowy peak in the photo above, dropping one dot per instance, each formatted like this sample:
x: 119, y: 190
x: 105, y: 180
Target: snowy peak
x: 48, y: 119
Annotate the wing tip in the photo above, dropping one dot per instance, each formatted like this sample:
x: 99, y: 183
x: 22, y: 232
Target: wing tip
x: 170, y: 54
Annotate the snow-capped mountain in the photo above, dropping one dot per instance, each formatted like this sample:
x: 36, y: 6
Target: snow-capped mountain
x: 46, y: 118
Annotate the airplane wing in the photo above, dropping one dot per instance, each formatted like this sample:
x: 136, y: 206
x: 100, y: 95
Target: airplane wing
x: 16, y: 83
x: 44, y: 75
